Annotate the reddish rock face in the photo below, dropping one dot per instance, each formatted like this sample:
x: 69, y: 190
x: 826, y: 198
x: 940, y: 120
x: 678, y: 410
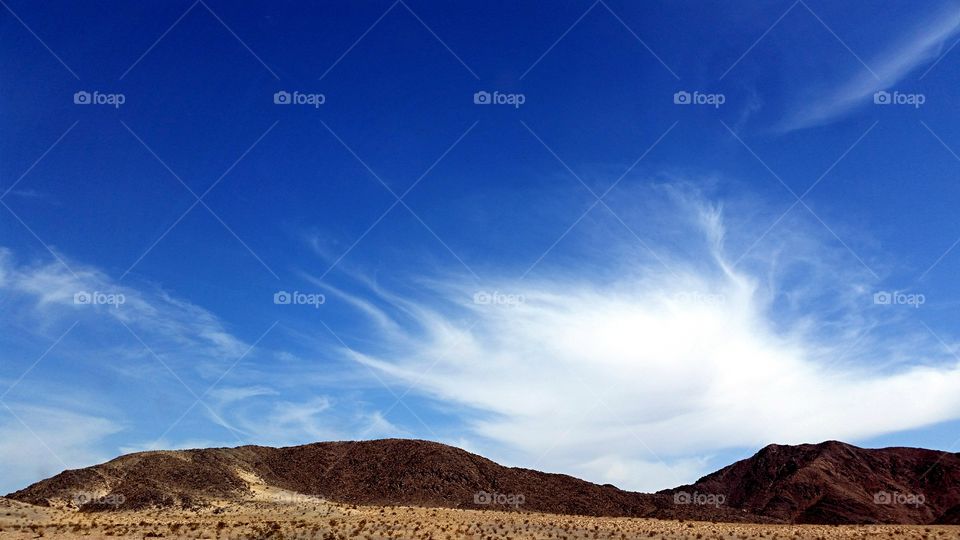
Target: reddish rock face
x: 825, y: 483
x: 833, y: 482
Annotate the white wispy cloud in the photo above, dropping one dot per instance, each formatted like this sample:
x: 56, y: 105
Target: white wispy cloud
x: 44, y: 293
x: 635, y: 379
x: 64, y: 417
x: 265, y: 402
x: 37, y: 442
x: 918, y: 47
x: 278, y: 421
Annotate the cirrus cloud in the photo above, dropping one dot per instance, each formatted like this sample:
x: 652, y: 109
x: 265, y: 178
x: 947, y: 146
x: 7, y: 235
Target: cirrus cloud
x: 638, y: 378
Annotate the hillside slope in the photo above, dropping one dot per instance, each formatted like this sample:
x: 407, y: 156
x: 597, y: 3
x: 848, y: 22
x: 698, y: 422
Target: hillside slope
x: 834, y: 482
x: 391, y: 471
x: 827, y: 483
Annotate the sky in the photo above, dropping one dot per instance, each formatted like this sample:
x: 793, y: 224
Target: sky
x: 630, y: 242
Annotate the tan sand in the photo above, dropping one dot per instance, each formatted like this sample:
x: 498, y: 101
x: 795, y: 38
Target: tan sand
x: 286, y: 515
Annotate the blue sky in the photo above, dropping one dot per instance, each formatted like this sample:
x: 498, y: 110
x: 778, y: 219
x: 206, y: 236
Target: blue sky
x: 679, y: 232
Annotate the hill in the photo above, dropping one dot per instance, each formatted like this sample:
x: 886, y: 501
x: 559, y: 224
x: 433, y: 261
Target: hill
x: 383, y: 472
x: 827, y: 483
x: 834, y: 482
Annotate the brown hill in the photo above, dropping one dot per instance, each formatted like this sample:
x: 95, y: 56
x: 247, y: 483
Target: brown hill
x: 391, y: 471
x: 834, y: 483
x: 825, y: 483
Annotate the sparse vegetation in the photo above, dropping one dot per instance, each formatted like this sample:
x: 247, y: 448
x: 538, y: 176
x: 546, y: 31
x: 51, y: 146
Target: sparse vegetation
x: 328, y: 520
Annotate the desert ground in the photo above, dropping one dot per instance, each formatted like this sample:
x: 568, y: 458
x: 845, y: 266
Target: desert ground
x: 297, y: 516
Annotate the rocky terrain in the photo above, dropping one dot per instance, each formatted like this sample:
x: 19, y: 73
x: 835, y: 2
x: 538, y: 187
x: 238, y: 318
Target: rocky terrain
x: 392, y: 471
x: 827, y: 483
x: 833, y: 482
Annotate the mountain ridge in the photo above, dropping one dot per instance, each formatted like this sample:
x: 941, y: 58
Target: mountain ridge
x: 835, y: 483
x: 830, y: 482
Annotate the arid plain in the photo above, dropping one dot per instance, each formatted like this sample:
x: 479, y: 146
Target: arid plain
x: 275, y: 516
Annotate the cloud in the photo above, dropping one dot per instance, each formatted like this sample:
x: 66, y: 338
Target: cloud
x: 226, y: 396
x: 635, y: 378
x: 268, y: 402
x: 258, y: 416
x: 254, y: 415
x: 648, y: 475
x: 98, y: 365
x: 275, y: 403
x: 55, y: 440
x: 920, y: 46
x: 42, y: 296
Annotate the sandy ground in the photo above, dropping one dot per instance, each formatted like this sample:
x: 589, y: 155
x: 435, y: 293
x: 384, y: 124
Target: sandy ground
x: 284, y: 515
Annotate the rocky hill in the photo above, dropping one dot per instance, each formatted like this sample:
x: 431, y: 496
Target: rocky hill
x: 834, y: 482
x: 829, y: 483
